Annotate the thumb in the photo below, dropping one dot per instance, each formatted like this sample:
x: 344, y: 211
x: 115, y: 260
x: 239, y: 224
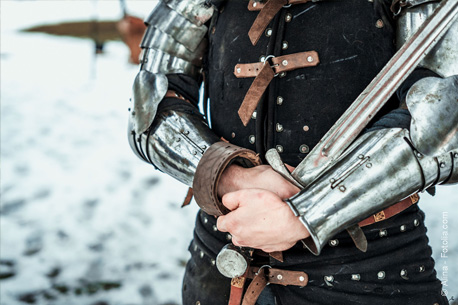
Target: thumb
x: 232, y: 200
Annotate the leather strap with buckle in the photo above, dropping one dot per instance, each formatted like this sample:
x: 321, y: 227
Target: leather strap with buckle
x: 264, y: 74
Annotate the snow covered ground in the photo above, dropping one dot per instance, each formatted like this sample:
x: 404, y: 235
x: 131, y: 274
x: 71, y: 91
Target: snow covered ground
x: 83, y: 221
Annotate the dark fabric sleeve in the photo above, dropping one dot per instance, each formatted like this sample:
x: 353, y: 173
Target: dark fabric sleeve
x: 185, y: 85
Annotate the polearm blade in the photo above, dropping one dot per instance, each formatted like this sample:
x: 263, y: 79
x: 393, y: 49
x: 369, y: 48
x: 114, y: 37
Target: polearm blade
x: 376, y: 94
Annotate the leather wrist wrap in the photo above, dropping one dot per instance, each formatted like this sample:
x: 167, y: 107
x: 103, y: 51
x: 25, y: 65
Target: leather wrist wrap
x: 209, y: 170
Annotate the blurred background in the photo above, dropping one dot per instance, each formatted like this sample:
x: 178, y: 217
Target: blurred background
x: 82, y: 220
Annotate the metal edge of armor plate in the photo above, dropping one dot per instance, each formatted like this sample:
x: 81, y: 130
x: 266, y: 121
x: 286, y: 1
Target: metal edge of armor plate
x: 156, y: 61
x: 175, y: 144
x: 155, y: 39
x: 196, y: 11
x: 172, y: 23
x: 379, y: 169
x: 443, y: 58
x: 148, y: 91
x: 433, y: 104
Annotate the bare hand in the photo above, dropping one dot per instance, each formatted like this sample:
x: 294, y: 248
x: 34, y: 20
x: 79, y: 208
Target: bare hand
x: 260, y: 219
x: 264, y: 177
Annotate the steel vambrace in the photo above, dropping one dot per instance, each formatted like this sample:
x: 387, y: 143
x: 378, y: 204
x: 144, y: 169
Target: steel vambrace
x: 379, y: 169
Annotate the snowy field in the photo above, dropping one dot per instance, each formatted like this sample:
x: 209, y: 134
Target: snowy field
x: 83, y: 221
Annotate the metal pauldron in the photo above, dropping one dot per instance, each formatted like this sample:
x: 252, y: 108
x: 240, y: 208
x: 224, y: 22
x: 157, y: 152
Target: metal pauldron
x: 378, y: 170
x: 443, y: 58
x: 174, y: 144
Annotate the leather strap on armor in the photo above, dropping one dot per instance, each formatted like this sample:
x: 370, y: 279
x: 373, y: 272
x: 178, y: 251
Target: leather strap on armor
x: 267, y: 13
x: 209, y: 170
x: 264, y: 74
x: 261, y: 277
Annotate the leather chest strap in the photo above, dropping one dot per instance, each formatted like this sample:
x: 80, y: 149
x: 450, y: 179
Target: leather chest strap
x: 266, y: 14
x: 209, y: 170
x: 264, y: 74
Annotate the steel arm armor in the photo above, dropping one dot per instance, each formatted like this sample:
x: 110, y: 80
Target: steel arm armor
x: 173, y: 139
x: 385, y: 166
x: 382, y: 167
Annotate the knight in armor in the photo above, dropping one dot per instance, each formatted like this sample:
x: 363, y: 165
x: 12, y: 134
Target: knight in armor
x: 275, y: 76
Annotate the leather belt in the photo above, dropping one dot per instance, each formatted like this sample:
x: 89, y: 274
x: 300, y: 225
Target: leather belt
x: 390, y: 211
x: 264, y: 74
x: 262, y: 276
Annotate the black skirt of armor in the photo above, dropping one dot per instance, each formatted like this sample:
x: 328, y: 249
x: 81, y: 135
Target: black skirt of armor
x: 354, y: 40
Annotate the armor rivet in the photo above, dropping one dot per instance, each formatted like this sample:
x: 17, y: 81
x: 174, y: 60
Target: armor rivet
x: 310, y: 59
x: 194, y: 152
x: 283, y: 74
x: 288, y: 17
x: 456, y: 155
x: 369, y: 165
x: 262, y: 58
x: 128, y: 109
x: 233, y: 135
x: 306, y: 128
x: 215, y: 228
x: 239, y: 70
x: 195, y: 248
x: 205, y: 220
x: 418, y: 155
x: 404, y: 274
x: 361, y: 156
x: 379, y: 24
x: 204, y: 147
x: 213, y: 262
x: 329, y: 278
x: 332, y: 180
x: 255, y: 4
x: 284, y: 45
x: 416, y: 222
x: 355, y: 277
x: 333, y: 242
x: 421, y: 269
x: 284, y: 62
x: 254, y: 115
x: 301, y: 278
x: 279, y: 100
x: 252, y: 139
x: 383, y: 233
x: 442, y: 165
x: 279, y: 148
x: 229, y: 237
x: 402, y: 228
x: 279, y: 127
x: 186, y: 132
x: 133, y: 112
x: 178, y: 139
x: 280, y: 277
x: 269, y: 32
x: 201, y: 254
x: 304, y: 149
x: 381, y: 275
x: 342, y: 188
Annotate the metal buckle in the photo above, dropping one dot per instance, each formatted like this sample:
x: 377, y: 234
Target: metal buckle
x: 272, y: 66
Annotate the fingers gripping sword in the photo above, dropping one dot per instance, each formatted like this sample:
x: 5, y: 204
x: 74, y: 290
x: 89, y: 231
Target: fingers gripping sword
x: 367, y: 104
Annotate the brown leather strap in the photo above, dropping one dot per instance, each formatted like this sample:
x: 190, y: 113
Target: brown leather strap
x: 255, y: 92
x: 255, y: 288
x: 188, y: 198
x: 209, y: 170
x: 236, y: 294
x: 391, y: 211
x: 280, y: 64
x: 268, y: 12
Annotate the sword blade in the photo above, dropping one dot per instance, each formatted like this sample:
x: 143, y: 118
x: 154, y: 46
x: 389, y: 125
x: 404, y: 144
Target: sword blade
x: 376, y: 94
